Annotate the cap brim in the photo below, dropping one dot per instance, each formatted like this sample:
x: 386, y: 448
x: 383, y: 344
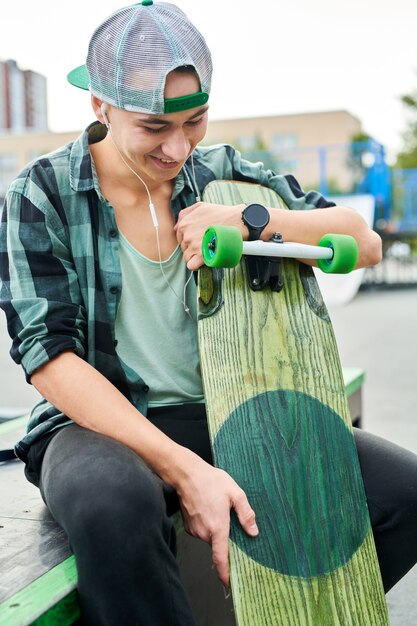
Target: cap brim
x: 79, y: 77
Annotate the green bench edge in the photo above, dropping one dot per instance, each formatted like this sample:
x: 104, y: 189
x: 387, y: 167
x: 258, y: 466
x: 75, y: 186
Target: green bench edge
x: 53, y: 589
x: 353, y: 378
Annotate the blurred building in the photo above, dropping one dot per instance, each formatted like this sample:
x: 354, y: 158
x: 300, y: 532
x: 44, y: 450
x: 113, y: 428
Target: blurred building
x: 18, y: 149
x: 312, y: 146
x: 23, y: 104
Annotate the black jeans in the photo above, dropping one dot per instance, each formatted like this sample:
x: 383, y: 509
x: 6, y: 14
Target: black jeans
x: 116, y: 513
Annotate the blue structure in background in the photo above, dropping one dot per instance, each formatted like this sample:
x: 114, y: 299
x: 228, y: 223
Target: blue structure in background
x: 368, y: 158
x: 377, y: 179
x: 395, y: 191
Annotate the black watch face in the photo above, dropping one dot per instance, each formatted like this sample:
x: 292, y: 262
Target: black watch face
x: 256, y: 215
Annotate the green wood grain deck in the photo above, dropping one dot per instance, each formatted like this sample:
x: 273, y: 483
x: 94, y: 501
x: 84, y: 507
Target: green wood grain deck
x: 279, y: 423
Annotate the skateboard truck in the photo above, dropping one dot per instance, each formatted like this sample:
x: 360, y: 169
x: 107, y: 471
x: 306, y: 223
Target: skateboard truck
x: 263, y: 271
x: 222, y: 246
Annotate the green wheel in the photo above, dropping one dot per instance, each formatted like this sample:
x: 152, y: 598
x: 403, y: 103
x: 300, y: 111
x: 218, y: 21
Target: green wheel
x: 222, y: 246
x: 345, y: 254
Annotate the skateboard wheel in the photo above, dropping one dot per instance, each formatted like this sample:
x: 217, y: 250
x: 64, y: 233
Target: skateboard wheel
x: 345, y: 254
x: 222, y: 246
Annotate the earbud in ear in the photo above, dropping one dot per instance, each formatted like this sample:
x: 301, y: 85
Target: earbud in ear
x: 103, y: 112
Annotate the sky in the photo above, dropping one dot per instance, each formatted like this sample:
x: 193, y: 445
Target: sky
x: 270, y: 57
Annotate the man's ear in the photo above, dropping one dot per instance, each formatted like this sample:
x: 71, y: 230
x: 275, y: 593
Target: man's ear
x: 104, y: 115
x: 99, y: 108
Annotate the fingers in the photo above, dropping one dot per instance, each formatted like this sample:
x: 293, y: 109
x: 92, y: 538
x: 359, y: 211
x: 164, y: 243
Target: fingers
x: 179, y: 226
x: 189, y: 209
x: 192, y: 254
x: 245, y: 514
x: 190, y: 228
x: 220, y: 554
x: 220, y: 540
x: 207, y: 495
x: 193, y: 261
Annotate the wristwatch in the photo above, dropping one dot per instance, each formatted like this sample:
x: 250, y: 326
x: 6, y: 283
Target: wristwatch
x: 255, y: 217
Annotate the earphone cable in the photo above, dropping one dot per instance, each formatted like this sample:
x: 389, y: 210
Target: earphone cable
x: 196, y: 189
x: 156, y: 226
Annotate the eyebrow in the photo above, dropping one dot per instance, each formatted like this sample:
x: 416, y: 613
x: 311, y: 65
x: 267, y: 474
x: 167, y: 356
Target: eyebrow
x: 162, y: 122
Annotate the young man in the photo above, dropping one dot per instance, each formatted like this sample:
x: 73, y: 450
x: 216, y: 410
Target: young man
x: 98, y: 242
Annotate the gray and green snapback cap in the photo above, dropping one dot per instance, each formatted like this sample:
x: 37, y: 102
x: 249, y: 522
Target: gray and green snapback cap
x: 131, y: 53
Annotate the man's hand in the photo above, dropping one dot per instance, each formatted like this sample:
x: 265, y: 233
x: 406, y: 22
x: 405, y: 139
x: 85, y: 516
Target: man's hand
x: 206, y: 500
x: 193, y: 222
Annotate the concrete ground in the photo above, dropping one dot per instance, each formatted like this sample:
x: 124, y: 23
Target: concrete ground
x: 377, y: 331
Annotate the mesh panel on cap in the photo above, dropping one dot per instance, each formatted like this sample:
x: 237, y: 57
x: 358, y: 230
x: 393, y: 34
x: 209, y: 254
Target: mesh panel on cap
x: 131, y: 53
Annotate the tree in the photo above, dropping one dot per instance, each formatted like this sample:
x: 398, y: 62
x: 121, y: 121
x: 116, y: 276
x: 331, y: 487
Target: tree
x: 407, y: 158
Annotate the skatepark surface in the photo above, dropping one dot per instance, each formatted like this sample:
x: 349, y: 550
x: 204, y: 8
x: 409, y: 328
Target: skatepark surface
x: 377, y: 331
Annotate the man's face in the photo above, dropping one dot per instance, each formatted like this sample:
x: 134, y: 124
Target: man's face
x: 159, y: 145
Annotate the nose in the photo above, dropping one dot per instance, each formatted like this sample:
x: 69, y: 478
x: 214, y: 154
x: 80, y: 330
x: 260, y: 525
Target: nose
x: 177, y: 146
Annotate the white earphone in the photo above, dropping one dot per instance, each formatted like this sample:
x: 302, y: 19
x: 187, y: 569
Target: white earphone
x: 103, y: 112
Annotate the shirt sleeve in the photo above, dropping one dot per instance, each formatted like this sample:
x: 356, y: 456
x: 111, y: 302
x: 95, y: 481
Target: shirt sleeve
x: 39, y: 289
x: 286, y: 186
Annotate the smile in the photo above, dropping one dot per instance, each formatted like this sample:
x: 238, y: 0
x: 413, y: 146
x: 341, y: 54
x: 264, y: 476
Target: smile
x: 164, y: 163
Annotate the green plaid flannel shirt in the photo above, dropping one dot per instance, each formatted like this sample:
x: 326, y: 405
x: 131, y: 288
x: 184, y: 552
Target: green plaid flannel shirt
x: 60, y: 277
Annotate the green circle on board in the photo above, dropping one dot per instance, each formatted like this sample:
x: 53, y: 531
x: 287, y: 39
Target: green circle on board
x: 308, y: 497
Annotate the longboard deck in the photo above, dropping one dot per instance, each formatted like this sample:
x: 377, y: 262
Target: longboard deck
x: 279, y: 424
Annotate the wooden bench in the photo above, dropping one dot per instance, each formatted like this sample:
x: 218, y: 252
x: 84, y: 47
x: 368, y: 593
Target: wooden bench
x: 38, y: 579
